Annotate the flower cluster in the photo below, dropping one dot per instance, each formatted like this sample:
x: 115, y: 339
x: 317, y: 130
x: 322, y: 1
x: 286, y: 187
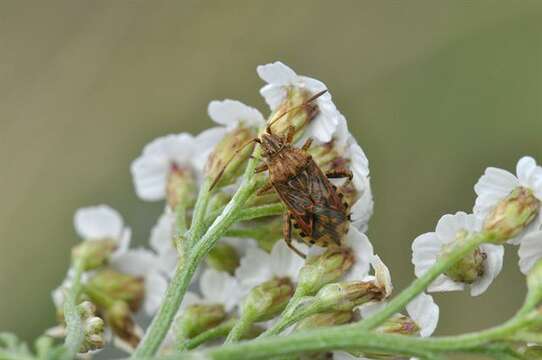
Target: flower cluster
x: 223, y: 240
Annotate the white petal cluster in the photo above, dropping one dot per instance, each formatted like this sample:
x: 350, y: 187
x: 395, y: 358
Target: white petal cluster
x: 280, y: 79
x: 427, y: 247
x: 497, y: 183
x: 258, y: 266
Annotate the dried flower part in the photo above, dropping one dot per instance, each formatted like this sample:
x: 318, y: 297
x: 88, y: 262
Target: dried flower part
x: 198, y: 318
x: 119, y: 318
x: 223, y: 257
x: 118, y: 286
x: 324, y: 269
x: 294, y: 111
x: 471, y: 267
x: 181, y: 187
x: 345, y: 296
x: 229, y: 151
x: 512, y: 215
x: 94, y: 253
x: 400, y: 324
x: 325, y: 320
x: 267, y: 300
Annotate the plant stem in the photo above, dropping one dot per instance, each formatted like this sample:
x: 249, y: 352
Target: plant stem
x: 287, y: 314
x: 161, y: 323
x: 211, y: 334
x: 74, y: 324
x: 350, y: 337
x: 420, y: 284
x: 242, y: 325
x: 198, y: 223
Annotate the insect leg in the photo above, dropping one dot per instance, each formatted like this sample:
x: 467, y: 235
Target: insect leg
x: 261, y: 168
x: 266, y: 188
x: 339, y: 174
x: 307, y: 144
x: 287, y: 233
x: 221, y: 172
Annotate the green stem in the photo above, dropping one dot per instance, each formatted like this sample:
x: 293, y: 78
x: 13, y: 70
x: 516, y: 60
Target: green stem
x: 198, y: 223
x: 420, y: 284
x: 287, y: 314
x: 211, y: 334
x: 161, y: 323
x: 350, y: 337
x: 250, y: 213
x: 74, y: 324
x: 241, y: 327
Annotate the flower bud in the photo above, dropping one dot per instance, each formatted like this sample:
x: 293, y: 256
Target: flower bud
x: 181, y: 187
x: 225, y: 151
x: 94, y: 253
x: 345, y: 296
x: 119, y: 286
x: 512, y: 215
x: 325, y: 320
x: 399, y: 324
x: 119, y: 318
x: 94, y: 335
x: 86, y: 310
x: 299, y: 113
x: 324, y: 269
x: 198, y: 318
x: 268, y: 299
x: 223, y: 257
x: 471, y: 267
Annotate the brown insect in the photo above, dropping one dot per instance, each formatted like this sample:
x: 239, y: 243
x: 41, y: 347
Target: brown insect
x: 314, y: 205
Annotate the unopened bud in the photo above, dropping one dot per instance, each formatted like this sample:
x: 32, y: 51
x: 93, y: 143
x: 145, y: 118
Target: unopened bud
x: 223, y: 257
x: 118, y: 286
x: 345, y: 296
x: 181, y: 187
x: 325, y: 320
x: 298, y: 112
x: 399, y: 324
x: 324, y: 269
x: 86, y: 310
x: 198, y: 318
x: 94, y: 253
x: 512, y: 215
x: 268, y: 299
x: 120, y: 320
x: 225, y: 151
x: 94, y: 334
x: 471, y: 267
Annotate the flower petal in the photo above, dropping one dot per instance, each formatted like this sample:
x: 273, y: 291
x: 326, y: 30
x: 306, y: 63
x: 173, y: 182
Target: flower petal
x: 425, y: 312
x: 219, y: 287
x: 530, y: 251
x: 231, y: 112
x: 492, y: 268
x: 98, y: 222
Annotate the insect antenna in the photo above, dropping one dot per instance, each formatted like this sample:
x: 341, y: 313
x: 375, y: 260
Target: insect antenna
x: 221, y: 172
x: 305, y: 103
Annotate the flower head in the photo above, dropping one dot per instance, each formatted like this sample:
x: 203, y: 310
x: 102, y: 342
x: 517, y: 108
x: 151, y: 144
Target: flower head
x: 258, y: 266
x: 497, y: 184
x: 476, y: 270
x: 281, y: 81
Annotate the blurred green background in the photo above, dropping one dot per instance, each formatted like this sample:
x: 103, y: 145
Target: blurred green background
x: 435, y: 91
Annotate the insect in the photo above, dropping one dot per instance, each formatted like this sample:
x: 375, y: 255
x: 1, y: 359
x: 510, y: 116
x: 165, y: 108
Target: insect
x: 314, y: 206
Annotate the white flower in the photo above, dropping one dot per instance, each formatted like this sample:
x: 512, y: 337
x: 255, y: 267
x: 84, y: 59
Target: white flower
x: 362, y: 209
x: 496, y: 184
x: 216, y: 287
x: 102, y: 222
x: 230, y: 113
x: 530, y: 251
x: 280, y: 78
x: 427, y: 247
x: 151, y: 169
x: 259, y: 266
x: 144, y: 263
x: 161, y: 241
x: 362, y: 249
